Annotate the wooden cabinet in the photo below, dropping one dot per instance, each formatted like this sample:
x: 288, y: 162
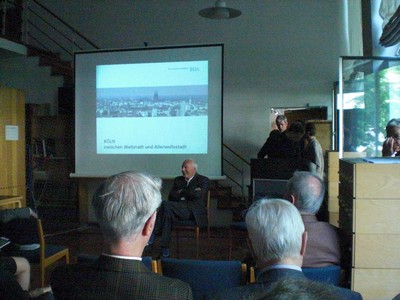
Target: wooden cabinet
x: 332, y: 173
x: 369, y: 209
x: 12, y: 143
x: 52, y: 147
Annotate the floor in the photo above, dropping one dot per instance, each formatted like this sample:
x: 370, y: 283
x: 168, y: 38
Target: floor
x: 61, y: 226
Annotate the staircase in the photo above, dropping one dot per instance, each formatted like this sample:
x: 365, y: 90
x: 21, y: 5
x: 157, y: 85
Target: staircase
x: 57, y: 66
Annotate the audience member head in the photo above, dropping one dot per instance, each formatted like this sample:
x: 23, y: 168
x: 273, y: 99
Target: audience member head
x: 295, y: 131
x: 276, y: 232
x: 393, y: 128
x: 306, y: 191
x: 124, y: 203
x: 310, y: 129
x: 281, y: 122
x: 299, y: 289
x: 189, y: 168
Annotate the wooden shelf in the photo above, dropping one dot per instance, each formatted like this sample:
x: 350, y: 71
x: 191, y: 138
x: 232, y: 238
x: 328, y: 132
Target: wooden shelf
x: 52, y: 144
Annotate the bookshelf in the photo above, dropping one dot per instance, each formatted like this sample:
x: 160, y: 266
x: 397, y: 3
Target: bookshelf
x: 52, y: 146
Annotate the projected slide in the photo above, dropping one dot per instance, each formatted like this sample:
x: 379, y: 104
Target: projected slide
x: 152, y: 108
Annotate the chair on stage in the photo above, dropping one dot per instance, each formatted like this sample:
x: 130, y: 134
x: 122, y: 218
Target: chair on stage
x: 204, y: 276
x: 191, y: 224
x: 84, y: 258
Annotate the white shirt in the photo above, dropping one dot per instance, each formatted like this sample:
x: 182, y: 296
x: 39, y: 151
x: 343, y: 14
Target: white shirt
x: 123, y: 257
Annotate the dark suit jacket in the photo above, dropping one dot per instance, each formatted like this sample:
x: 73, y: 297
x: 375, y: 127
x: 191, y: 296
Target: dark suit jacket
x: 195, y: 193
x: 265, y: 282
x: 114, y: 278
x: 278, y: 145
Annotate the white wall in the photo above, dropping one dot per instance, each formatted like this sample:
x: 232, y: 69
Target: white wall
x: 277, y: 53
x: 24, y: 73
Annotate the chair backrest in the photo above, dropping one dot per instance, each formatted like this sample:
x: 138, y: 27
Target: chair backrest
x: 10, y: 203
x: 192, y: 222
x: 204, y: 276
x: 329, y: 274
x: 150, y: 263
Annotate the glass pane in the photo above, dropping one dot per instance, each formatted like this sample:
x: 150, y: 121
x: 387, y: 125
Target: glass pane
x: 369, y: 96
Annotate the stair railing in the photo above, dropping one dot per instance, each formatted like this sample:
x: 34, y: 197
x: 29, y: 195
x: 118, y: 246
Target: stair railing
x: 236, y: 169
x: 46, y: 30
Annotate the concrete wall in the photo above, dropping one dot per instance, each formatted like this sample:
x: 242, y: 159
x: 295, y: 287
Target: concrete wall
x: 24, y: 73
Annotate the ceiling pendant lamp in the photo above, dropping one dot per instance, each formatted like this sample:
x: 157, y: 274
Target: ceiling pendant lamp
x: 220, y: 11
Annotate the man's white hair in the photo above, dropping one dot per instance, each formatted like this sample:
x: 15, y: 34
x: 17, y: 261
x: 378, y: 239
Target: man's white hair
x: 275, y: 229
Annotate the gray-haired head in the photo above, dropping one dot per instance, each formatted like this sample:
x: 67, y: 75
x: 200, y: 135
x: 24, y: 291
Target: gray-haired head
x: 275, y: 229
x: 391, y: 126
x: 124, y: 202
x: 280, y: 118
x: 193, y: 162
x: 308, y: 191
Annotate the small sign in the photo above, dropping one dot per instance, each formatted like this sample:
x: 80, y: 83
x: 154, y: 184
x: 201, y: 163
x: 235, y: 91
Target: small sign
x: 11, y: 133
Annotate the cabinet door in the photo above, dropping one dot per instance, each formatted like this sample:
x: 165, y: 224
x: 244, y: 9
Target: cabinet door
x: 377, y: 216
x: 377, y: 181
x: 376, y: 284
x: 12, y: 143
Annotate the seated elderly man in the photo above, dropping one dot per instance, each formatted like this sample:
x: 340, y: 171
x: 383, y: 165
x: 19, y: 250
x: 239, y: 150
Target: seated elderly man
x: 306, y: 191
x: 125, y: 206
x: 186, y: 200
x: 278, y: 242
x: 391, y: 145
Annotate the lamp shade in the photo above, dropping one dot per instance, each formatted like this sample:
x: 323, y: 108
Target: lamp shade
x: 220, y: 11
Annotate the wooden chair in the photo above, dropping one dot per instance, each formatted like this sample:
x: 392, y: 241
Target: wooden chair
x: 10, y: 202
x: 45, y: 255
x: 191, y: 224
x: 204, y: 276
x: 49, y: 254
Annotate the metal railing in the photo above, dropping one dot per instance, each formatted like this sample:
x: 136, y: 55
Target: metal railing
x: 43, y: 25
x: 237, y: 170
x: 33, y: 24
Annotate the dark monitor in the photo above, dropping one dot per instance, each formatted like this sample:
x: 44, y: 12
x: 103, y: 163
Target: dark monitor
x: 269, y: 188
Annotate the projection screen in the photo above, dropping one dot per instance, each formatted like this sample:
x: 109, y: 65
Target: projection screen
x: 148, y: 110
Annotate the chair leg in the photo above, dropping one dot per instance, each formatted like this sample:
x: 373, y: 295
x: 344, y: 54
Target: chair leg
x: 230, y: 244
x: 208, y: 239
x: 197, y: 241
x: 177, y: 242
x: 67, y: 257
x: 42, y: 275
